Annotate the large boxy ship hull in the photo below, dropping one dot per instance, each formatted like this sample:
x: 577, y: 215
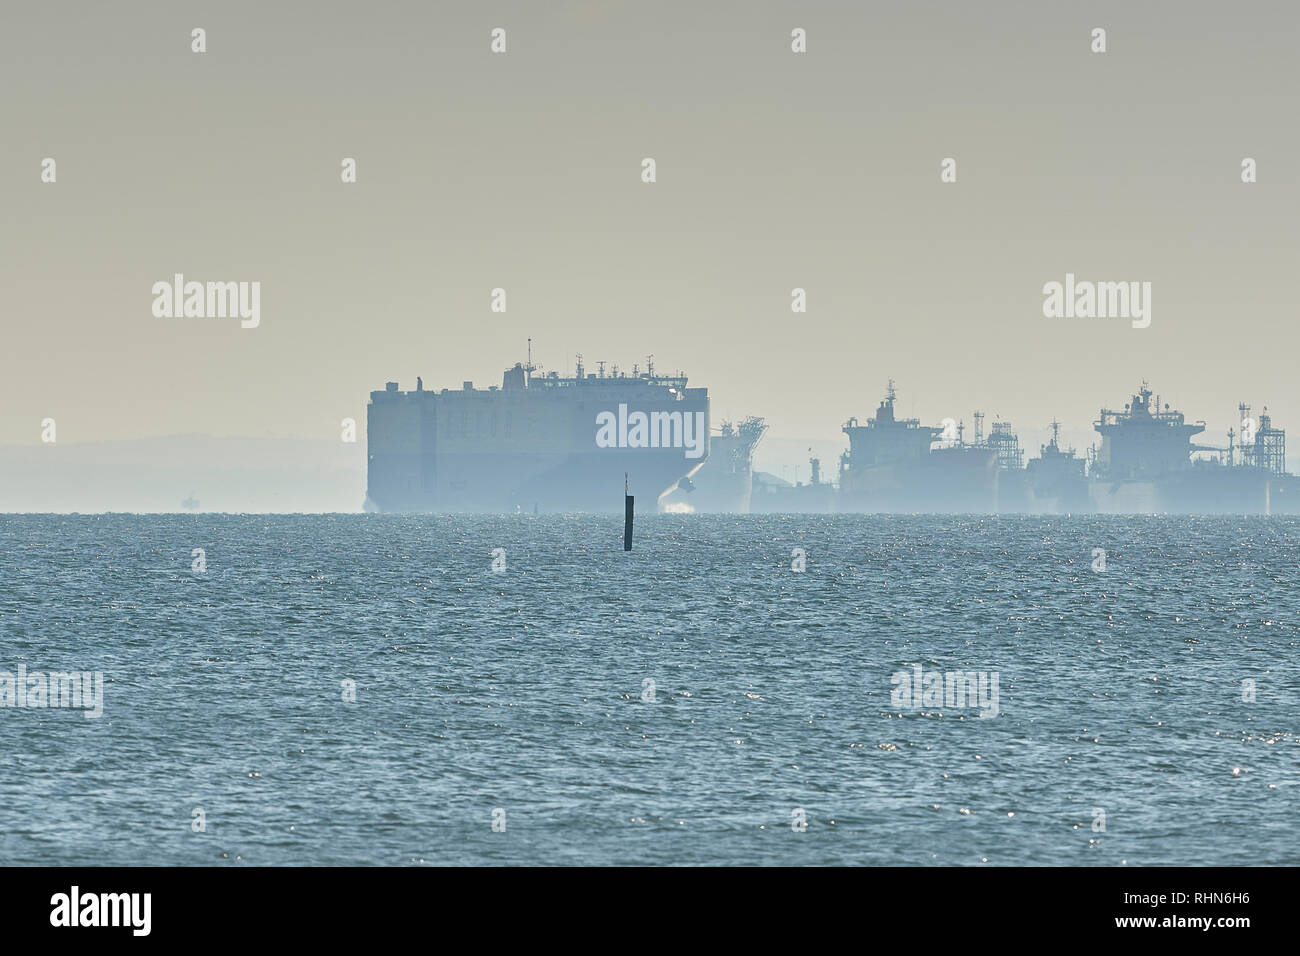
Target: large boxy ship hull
x: 535, y: 444
x: 1207, y: 490
x: 501, y: 483
x: 950, y: 481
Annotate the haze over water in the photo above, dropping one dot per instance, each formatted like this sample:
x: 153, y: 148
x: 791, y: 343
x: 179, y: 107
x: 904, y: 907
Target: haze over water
x: 1119, y: 691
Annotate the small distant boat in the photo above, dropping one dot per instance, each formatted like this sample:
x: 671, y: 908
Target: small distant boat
x: 190, y: 503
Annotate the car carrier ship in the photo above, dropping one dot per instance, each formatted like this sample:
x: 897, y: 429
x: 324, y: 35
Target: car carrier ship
x: 538, y: 443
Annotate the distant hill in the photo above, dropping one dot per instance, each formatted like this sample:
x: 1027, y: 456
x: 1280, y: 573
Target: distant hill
x: 184, y: 473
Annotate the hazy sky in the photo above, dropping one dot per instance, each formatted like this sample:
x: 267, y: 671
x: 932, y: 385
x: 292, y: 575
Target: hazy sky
x: 775, y: 170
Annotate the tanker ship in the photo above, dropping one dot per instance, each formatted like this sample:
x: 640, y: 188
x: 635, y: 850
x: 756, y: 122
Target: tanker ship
x: 539, y: 442
x: 1056, y: 478
x: 890, y: 467
x: 1146, y: 464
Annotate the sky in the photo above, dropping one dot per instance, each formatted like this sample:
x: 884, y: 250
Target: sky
x: 523, y: 171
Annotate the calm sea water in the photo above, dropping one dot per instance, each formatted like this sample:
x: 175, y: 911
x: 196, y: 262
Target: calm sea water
x: 1120, y: 692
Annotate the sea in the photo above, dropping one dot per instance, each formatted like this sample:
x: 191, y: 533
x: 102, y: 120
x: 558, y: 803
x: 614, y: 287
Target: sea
x: 361, y: 689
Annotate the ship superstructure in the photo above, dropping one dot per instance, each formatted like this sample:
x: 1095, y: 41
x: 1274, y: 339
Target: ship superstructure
x: 1142, y: 442
x: 539, y: 442
x: 890, y: 467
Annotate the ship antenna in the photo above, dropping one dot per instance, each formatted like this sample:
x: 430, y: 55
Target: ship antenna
x: 650, y: 365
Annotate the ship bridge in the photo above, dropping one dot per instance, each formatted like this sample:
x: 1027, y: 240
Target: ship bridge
x: 1144, y: 441
x: 885, y: 439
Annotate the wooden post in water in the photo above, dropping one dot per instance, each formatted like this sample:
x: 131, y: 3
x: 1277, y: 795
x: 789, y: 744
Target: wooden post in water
x: 627, y: 516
